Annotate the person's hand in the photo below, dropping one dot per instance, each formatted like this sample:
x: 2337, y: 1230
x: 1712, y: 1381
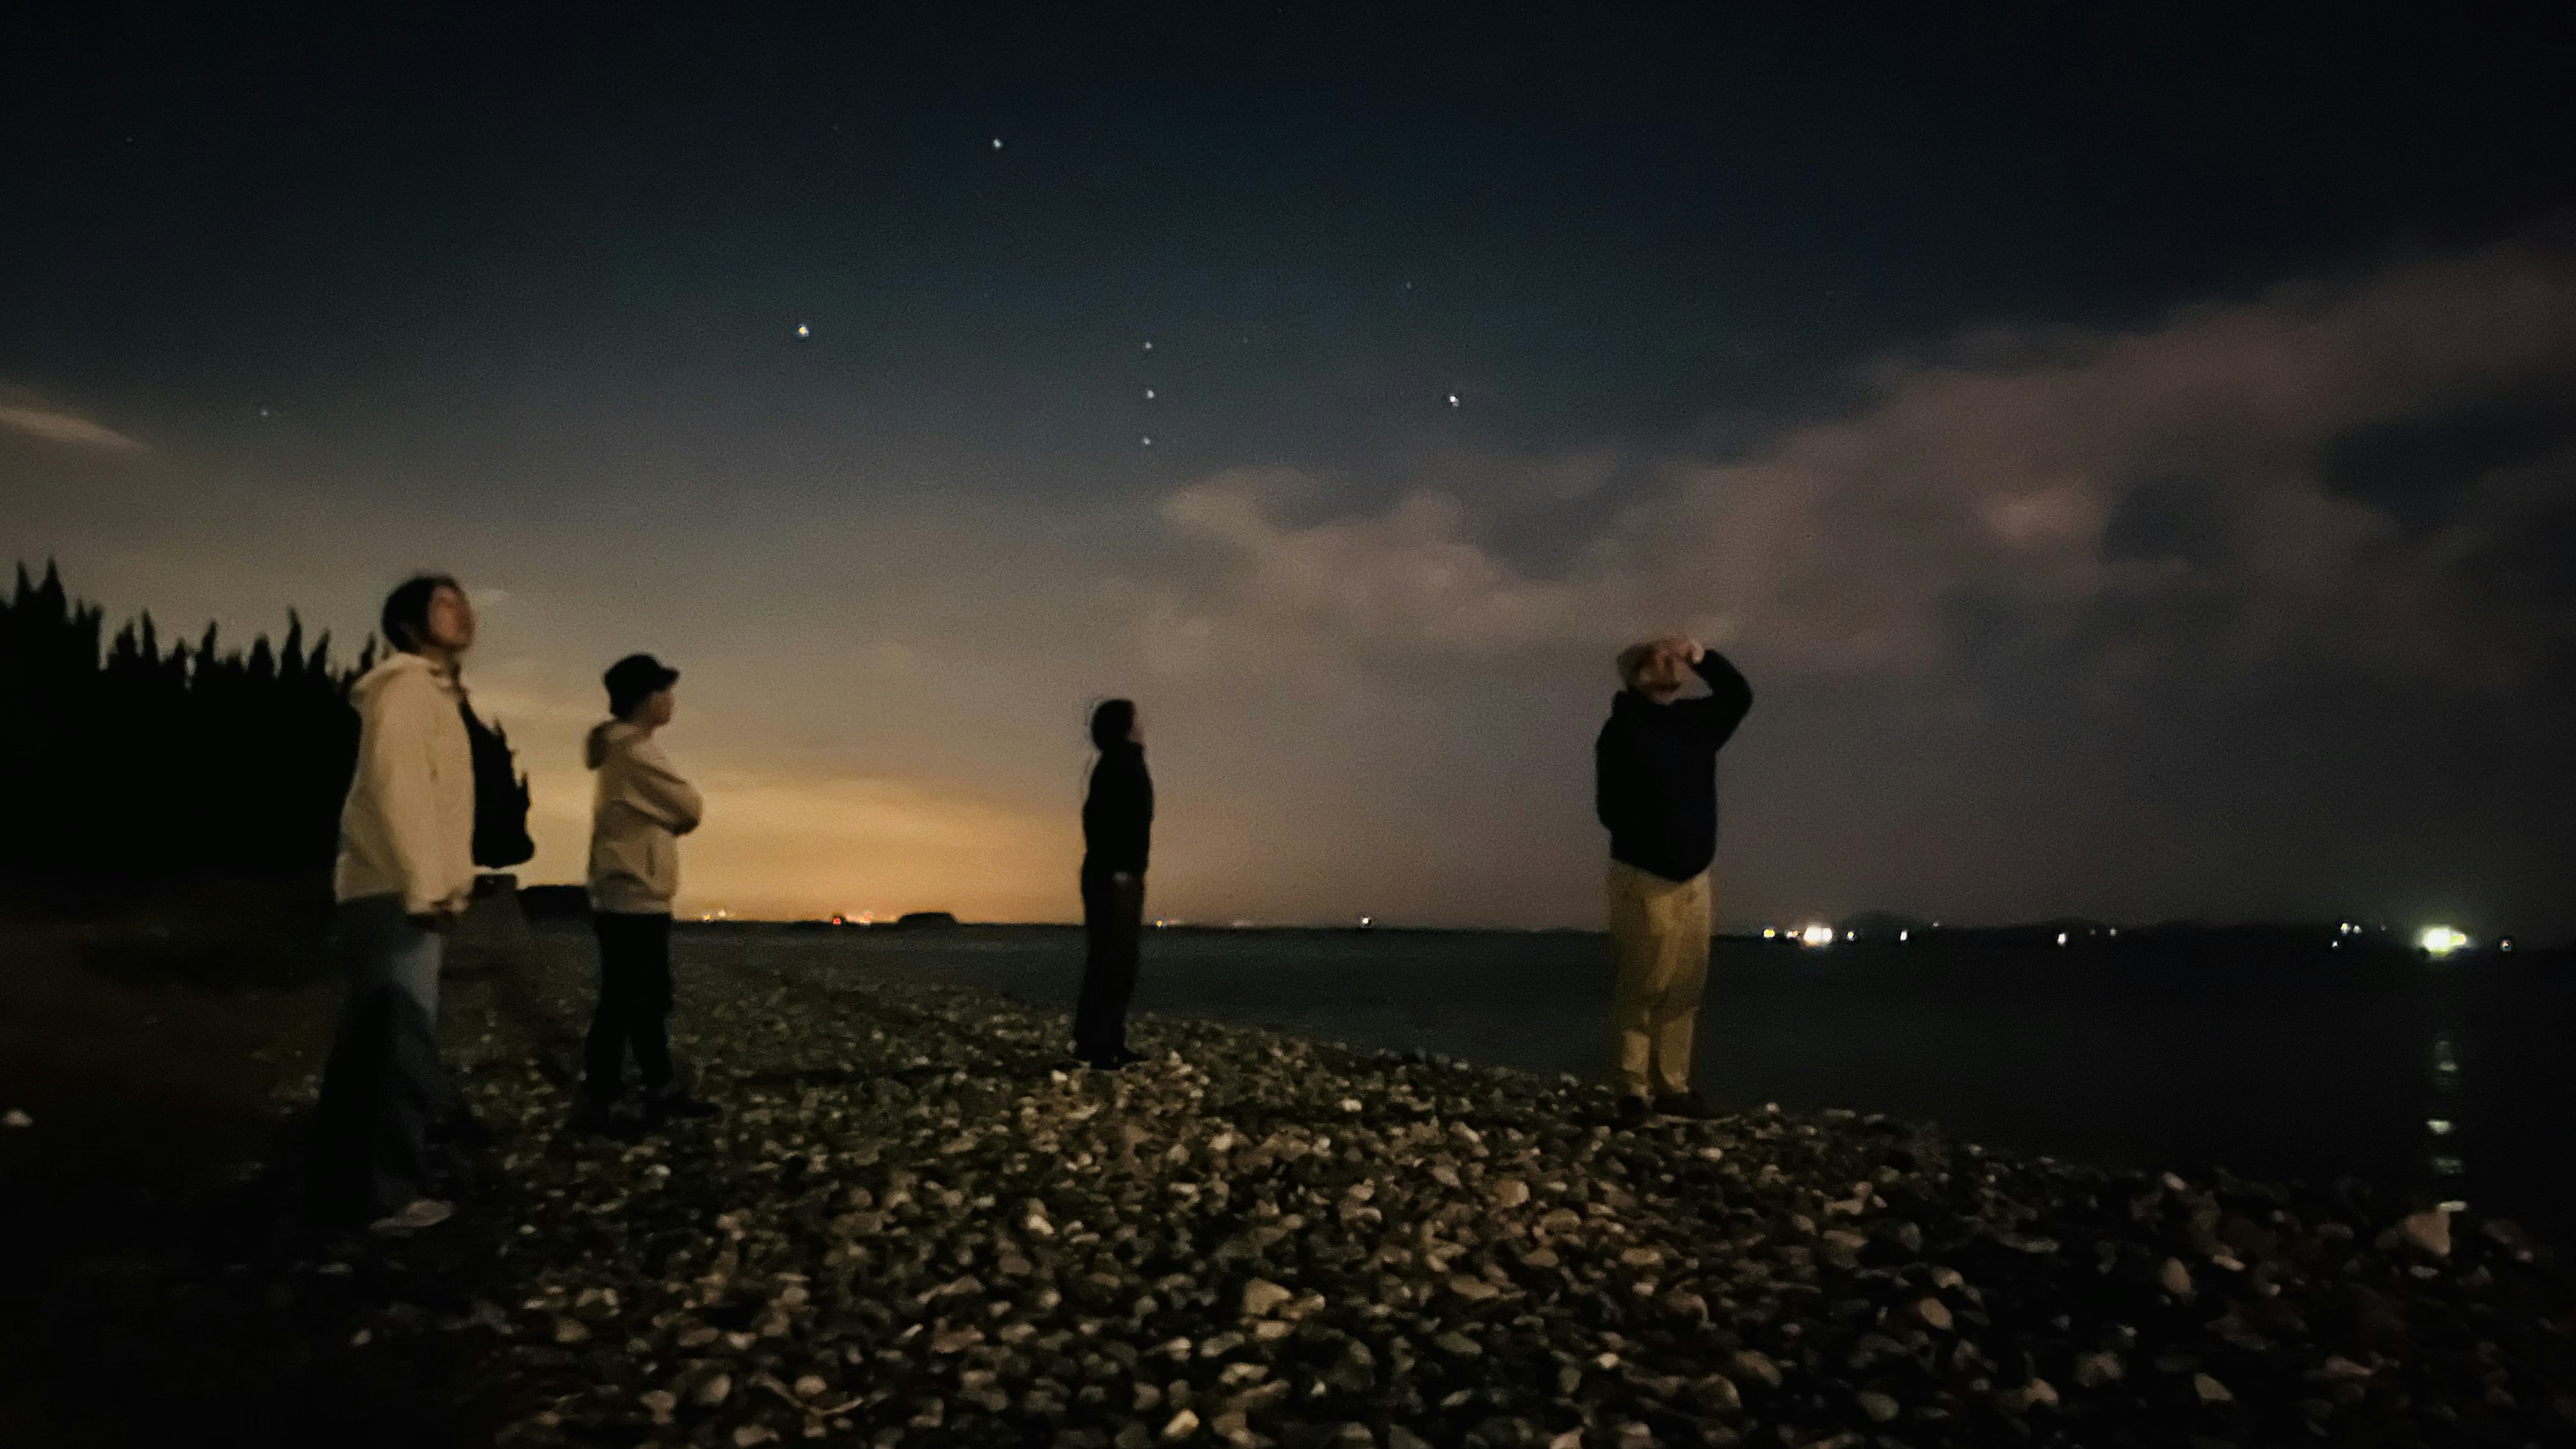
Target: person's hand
x: 1693, y: 651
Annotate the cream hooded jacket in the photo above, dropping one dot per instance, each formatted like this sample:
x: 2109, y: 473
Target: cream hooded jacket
x: 408, y: 826
x: 641, y: 807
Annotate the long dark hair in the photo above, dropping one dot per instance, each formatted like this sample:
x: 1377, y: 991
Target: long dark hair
x: 406, y: 615
x: 1112, y: 721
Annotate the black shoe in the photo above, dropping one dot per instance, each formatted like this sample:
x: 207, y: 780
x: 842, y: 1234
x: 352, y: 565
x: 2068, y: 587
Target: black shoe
x: 1117, y: 1061
x: 678, y: 1106
x: 601, y: 1119
x: 1632, y: 1112
x: 1689, y: 1105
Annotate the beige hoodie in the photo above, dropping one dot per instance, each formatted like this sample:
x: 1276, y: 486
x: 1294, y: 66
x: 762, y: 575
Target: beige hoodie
x: 641, y: 805
x: 408, y: 826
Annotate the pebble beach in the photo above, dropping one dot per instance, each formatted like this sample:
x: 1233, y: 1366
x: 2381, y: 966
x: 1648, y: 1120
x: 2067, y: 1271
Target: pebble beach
x: 917, y: 1223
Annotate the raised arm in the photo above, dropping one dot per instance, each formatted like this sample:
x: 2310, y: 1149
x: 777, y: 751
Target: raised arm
x: 1729, y: 697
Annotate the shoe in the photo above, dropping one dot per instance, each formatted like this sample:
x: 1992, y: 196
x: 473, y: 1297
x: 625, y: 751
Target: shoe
x: 609, y: 1120
x: 678, y: 1106
x: 1116, y: 1061
x: 411, y: 1217
x: 1632, y: 1112
x: 1690, y: 1105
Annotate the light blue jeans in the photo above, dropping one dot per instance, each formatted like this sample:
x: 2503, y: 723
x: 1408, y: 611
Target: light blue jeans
x: 385, y: 1093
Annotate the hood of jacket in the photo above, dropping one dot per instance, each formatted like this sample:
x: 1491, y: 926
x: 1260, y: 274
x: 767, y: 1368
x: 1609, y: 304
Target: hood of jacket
x: 604, y: 737
x: 396, y: 666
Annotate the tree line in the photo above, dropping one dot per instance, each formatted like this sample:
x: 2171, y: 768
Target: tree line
x: 128, y: 758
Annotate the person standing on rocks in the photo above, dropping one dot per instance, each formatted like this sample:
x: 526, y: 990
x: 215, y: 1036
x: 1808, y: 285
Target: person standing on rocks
x: 1655, y: 787
x: 640, y: 809
x: 1117, y: 833
x: 382, y: 1148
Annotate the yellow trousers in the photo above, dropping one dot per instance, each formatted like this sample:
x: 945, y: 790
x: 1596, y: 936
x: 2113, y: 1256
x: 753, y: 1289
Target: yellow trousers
x: 1659, y: 934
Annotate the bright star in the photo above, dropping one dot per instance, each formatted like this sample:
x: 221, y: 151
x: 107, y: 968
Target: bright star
x: 997, y: 143
x: 1149, y: 347
x: 1149, y: 442
x: 1149, y: 394
x: 804, y: 331
x: 1453, y: 399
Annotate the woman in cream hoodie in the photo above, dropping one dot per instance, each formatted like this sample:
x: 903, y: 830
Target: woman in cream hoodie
x: 405, y: 871
x: 640, y: 809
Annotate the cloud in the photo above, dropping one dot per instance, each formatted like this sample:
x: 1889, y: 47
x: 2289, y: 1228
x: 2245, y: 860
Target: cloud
x: 27, y: 413
x: 2202, y: 491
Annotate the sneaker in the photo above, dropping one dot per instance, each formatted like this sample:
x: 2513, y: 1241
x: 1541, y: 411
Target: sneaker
x: 1690, y: 1105
x: 609, y: 1120
x: 411, y: 1217
x: 1632, y: 1111
x: 678, y: 1106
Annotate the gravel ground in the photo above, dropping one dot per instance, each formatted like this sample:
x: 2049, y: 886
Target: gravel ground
x: 915, y: 1225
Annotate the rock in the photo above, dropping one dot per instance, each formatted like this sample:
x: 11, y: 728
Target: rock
x: 2175, y: 1279
x: 1510, y: 1192
x: 1754, y: 1364
x: 1474, y: 1290
x: 2209, y: 1390
x: 1400, y: 1437
x: 1933, y: 1314
x: 2427, y: 1232
x: 2039, y: 1393
x: 1180, y: 1426
x: 1261, y: 1297
x: 16, y: 1117
x: 1716, y: 1392
x: 2093, y: 1370
x: 810, y: 1386
x: 659, y: 1403
x: 712, y: 1390
x: 751, y: 1434
x: 1878, y: 1406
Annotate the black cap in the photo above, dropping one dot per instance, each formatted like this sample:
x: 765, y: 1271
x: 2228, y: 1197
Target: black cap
x: 634, y: 679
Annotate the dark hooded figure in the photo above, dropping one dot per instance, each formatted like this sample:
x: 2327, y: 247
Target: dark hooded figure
x: 1117, y: 831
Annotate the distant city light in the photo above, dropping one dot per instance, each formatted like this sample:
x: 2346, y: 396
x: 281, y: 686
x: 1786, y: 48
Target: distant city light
x: 1768, y: 933
x: 2441, y: 940
x: 1818, y: 935
x: 837, y: 919
x: 2061, y: 938
x: 1364, y: 920
x: 867, y: 918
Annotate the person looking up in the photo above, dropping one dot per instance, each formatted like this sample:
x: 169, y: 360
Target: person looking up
x: 1655, y: 787
x: 1117, y: 834
x: 404, y: 875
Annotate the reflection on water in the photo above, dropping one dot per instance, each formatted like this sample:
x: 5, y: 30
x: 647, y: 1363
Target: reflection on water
x: 2442, y: 1157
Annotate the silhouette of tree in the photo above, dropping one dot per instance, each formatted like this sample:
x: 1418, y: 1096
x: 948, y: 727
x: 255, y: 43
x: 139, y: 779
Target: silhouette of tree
x: 136, y: 763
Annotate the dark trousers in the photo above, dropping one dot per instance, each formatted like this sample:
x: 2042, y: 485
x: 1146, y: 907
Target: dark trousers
x: 634, y: 998
x: 1113, y: 921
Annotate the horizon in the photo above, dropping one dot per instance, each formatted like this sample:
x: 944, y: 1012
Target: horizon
x: 2137, y: 474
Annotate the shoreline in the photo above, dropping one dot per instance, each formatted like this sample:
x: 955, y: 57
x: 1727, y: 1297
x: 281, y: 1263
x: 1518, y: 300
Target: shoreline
x: 914, y: 1226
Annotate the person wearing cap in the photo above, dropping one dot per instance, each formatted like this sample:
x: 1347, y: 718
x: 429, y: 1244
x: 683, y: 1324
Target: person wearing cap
x: 640, y: 809
x: 1655, y: 787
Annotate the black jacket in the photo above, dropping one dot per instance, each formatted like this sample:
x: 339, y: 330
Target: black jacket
x: 1654, y: 772
x: 1118, y: 814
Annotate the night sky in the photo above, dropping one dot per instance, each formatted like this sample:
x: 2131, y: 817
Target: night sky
x: 2130, y: 448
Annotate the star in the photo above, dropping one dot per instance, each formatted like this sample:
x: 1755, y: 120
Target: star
x: 1453, y: 399
x: 997, y: 143
x: 1149, y: 394
x: 1149, y: 442
x: 1149, y: 347
x: 804, y: 331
